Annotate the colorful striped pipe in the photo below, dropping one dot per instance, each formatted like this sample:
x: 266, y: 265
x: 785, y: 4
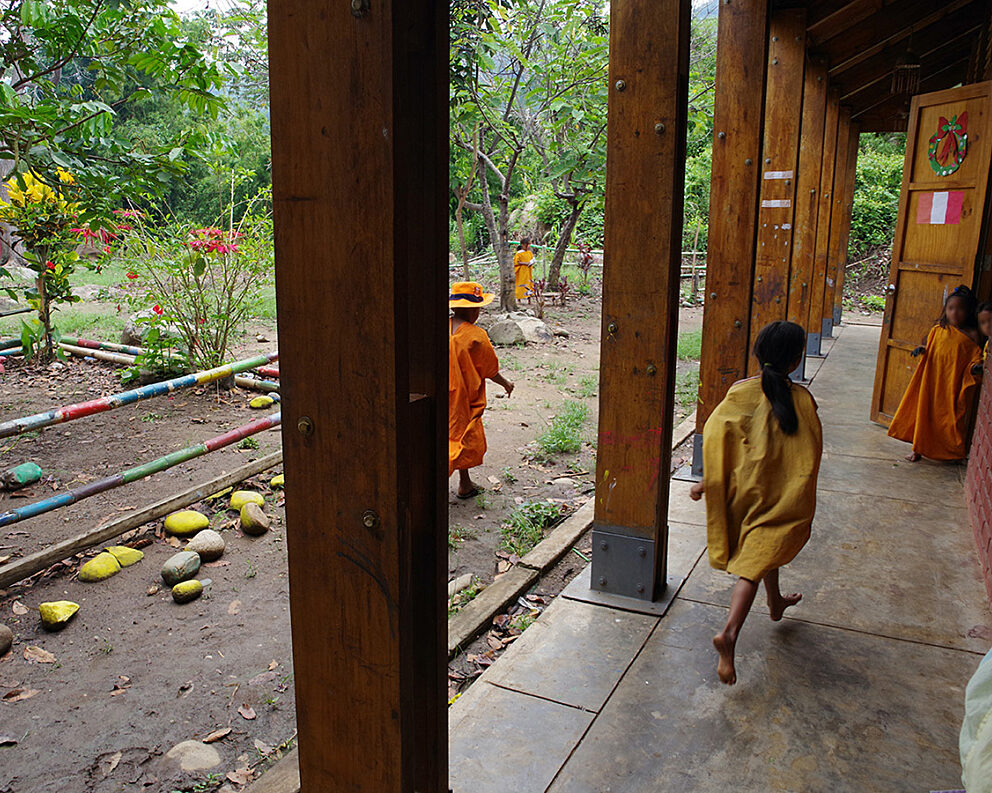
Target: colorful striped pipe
x: 98, y: 355
x: 243, y: 381
x: 6, y: 344
x: 15, y: 351
x: 102, y: 345
x: 269, y: 371
x: 139, y: 472
x: 82, y: 409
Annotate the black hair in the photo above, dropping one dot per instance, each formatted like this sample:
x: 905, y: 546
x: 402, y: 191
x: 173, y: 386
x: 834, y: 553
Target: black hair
x: 986, y: 306
x: 523, y: 241
x: 970, y: 307
x: 778, y: 346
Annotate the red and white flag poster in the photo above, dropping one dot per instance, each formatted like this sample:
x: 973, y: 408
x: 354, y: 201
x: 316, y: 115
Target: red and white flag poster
x: 940, y: 208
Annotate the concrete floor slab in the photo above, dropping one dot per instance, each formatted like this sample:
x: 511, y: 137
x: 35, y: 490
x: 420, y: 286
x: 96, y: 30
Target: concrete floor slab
x: 894, y: 568
x: 682, y: 509
x: 816, y: 710
x: 511, y: 742
x: 862, y: 439
x: 574, y: 654
x: 922, y: 482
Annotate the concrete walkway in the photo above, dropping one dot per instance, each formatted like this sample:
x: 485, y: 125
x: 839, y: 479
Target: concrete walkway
x: 860, y: 689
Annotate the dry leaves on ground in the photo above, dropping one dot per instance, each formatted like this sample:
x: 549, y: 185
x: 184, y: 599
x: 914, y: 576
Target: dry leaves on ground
x: 240, y: 777
x: 17, y: 694
x: 37, y: 655
x: 247, y: 712
x: 217, y: 735
x: 18, y: 608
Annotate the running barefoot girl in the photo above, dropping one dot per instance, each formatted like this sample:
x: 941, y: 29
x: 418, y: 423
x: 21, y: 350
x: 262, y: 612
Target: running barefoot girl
x: 761, y: 457
x: 935, y: 412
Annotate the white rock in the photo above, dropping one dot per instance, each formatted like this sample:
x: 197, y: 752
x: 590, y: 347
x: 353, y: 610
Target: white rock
x: 208, y: 543
x: 505, y: 333
x: 564, y: 481
x: 194, y: 756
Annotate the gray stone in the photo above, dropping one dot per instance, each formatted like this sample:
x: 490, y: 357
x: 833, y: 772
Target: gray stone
x: 564, y: 481
x: 21, y: 274
x: 208, y: 544
x: 194, y: 756
x: 535, y: 331
x: 180, y: 567
x: 524, y: 221
x: 6, y: 639
x: 254, y: 521
x: 135, y: 331
x: 505, y: 333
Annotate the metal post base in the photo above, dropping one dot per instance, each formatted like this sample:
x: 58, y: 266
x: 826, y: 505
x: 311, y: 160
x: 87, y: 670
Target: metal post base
x: 798, y: 375
x: 837, y: 315
x: 828, y: 328
x: 693, y: 471
x: 622, y: 564
x: 813, y: 345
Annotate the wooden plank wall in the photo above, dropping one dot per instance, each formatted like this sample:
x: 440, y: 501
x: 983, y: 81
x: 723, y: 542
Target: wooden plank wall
x: 738, y: 123
x: 848, y: 206
x: 815, y: 327
x: 649, y: 63
x: 780, y: 162
x: 359, y: 131
x: 837, y: 245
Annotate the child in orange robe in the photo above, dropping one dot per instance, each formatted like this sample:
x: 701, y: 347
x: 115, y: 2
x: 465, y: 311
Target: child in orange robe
x: 471, y: 361
x: 935, y: 411
x: 523, y: 270
x: 984, y: 313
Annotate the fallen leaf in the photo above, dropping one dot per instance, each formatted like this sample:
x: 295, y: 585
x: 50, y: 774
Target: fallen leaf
x: 262, y: 677
x: 247, y: 712
x: 493, y: 642
x: 219, y: 563
x: 17, y: 694
x: 18, y: 608
x: 234, y: 607
x: 262, y: 746
x: 173, y: 542
x: 240, y: 777
x: 217, y: 735
x: 273, y: 664
x: 7, y: 558
x: 493, y: 479
x: 111, y: 763
x: 6, y: 740
x: 152, y: 590
x: 37, y: 655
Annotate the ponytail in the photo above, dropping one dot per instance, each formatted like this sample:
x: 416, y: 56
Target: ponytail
x: 778, y: 347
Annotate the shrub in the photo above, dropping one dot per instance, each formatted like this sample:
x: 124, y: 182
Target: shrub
x: 525, y: 526
x: 564, y: 434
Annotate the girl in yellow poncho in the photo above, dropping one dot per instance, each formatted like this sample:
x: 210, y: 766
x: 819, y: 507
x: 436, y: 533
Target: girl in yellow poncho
x: 761, y: 457
x: 936, y: 411
x: 523, y: 270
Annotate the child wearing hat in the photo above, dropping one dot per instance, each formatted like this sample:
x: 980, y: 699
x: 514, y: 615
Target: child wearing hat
x: 471, y: 361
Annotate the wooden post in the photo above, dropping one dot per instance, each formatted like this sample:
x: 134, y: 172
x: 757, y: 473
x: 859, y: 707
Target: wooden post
x: 359, y: 130
x: 645, y: 174
x: 780, y: 161
x: 739, y: 104
x: 815, y: 328
x: 835, y: 253
x: 847, y: 204
x: 807, y: 197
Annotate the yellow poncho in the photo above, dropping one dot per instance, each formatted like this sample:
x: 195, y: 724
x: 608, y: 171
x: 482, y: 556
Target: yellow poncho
x: 523, y: 272
x: 760, y: 482
x: 471, y: 359
x: 935, y: 411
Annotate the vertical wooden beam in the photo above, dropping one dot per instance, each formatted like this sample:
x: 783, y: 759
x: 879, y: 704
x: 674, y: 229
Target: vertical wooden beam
x: 738, y: 113
x: 780, y: 161
x: 815, y: 327
x: 837, y: 251
x: 359, y: 123
x: 850, y: 180
x: 645, y: 175
x: 807, y: 195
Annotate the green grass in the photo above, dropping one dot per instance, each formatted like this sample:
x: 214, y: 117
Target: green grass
x: 457, y: 534
x: 687, y: 390
x: 508, y: 475
x: 525, y: 526
x: 522, y: 621
x: 556, y: 373
x: 565, y: 432
x: 248, y: 443
x: 466, y: 596
x: 690, y: 345
x: 588, y: 386
x: 872, y: 302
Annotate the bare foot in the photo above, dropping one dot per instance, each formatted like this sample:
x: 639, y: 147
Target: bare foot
x: 725, y: 668
x: 914, y: 457
x: 471, y: 490
x: 778, y: 609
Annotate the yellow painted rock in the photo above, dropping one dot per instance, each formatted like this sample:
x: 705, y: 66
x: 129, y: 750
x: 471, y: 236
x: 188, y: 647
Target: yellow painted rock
x: 253, y: 520
x: 186, y: 591
x: 56, y: 614
x: 100, y: 567
x: 220, y: 494
x: 260, y: 402
x: 241, y: 497
x: 278, y: 481
x: 186, y: 523
x: 125, y: 556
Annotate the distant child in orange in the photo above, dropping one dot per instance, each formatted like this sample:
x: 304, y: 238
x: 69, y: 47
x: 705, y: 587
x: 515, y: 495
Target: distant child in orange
x: 985, y: 326
x: 523, y: 270
x: 471, y: 361
x: 935, y: 411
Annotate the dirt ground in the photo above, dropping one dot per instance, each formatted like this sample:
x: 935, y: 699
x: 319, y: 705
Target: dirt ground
x: 134, y: 674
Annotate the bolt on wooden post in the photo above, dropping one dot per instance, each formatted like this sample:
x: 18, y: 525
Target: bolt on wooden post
x: 645, y: 174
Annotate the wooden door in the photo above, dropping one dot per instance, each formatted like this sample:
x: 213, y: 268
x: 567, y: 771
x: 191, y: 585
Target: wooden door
x: 941, y: 210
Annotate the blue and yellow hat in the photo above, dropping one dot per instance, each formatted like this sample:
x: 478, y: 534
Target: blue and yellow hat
x: 469, y: 294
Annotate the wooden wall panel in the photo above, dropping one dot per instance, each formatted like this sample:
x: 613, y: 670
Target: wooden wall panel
x: 815, y: 327
x: 837, y: 246
x: 851, y: 174
x: 359, y: 131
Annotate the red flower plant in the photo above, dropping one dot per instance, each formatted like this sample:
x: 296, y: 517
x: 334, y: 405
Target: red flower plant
x: 50, y: 265
x: 86, y: 234
x: 131, y: 274
x: 157, y: 309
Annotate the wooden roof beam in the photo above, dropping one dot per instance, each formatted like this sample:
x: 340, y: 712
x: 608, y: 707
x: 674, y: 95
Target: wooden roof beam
x: 947, y: 77
x: 856, y: 45
x: 841, y: 19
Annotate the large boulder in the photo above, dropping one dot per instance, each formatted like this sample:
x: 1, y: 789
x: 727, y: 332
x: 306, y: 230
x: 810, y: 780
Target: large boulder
x: 505, y: 333
x: 517, y: 327
x: 525, y: 223
x: 137, y: 326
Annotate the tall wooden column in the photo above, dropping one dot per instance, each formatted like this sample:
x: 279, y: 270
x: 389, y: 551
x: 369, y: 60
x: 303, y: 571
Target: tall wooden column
x: 649, y: 65
x: 815, y: 327
x: 807, y: 197
x: 850, y: 180
x: 739, y: 104
x: 780, y: 161
x: 359, y: 128
x: 836, y: 251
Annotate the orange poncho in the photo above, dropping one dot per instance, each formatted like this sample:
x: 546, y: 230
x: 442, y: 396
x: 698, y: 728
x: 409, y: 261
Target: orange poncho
x: 936, y: 408
x: 471, y: 359
x: 523, y: 272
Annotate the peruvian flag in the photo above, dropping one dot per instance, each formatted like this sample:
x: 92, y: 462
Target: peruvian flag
x: 940, y: 208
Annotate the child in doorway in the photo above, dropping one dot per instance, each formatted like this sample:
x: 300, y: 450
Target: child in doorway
x: 984, y: 313
x: 471, y: 361
x: 523, y: 270
x: 935, y: 412
x: 761, y: 458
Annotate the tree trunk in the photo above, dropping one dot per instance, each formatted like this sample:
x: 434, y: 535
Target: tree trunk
x: 462, y: 195
x: 554, y: 272
x: 46, y: 351
x: 497, y: 233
